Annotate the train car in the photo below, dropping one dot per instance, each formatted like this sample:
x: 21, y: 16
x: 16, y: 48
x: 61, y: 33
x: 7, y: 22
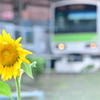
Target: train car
x: 76, y: 34
x: 33, y: 37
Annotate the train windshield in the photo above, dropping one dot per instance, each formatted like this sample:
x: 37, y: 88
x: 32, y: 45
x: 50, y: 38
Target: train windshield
x: 75, y: 19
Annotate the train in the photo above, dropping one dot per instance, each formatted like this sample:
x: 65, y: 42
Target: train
x: 75, y: 35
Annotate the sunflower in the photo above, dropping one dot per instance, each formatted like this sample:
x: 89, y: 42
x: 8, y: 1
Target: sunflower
x: 11, y: 56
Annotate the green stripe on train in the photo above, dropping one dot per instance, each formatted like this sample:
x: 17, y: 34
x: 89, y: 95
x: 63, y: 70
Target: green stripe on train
x: 75, y: 37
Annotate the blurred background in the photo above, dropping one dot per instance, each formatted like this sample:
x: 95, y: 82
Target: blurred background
x: 64, y: 36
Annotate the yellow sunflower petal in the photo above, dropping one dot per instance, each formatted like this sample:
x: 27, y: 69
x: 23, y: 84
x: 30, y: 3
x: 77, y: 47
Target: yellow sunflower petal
x: 24, y: 51
x: 22, y: 56
x: 28, y: 52
x: 16, y: 66
x: 18, y: 40
x: 20, y: 61
x: 18, y: 72
x: 1, y: 68
x: 10, y: 72
x: 18, y: 45
x: 9, y: 39
x: 1, y: 39
x: 26, y: 61
x: 4, y: 34
x: 3, y: 73
x: 7, y: 74
x: 15, y: 75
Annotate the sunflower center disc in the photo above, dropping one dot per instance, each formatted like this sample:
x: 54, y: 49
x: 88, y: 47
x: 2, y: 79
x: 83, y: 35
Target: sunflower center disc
x: 8, y: 54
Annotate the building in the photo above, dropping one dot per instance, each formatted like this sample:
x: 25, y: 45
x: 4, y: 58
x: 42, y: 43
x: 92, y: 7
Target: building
x: 34, y: 10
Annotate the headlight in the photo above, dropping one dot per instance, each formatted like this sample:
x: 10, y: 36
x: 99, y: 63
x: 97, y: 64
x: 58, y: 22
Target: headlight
x: 92, y: 45
x: 61, y: 46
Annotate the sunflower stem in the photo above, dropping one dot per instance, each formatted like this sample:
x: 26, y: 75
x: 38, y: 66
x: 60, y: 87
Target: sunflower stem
x: 18, y: 88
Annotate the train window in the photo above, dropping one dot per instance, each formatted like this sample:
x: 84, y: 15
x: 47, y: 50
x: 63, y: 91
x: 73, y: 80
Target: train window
x: 75, y: 18
x: 29, y: 37
x: 17, y: 34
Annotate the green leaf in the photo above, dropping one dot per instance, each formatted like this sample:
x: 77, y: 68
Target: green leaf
x: 5, y: 90
x: 33, y: 64
x: 27, y: 69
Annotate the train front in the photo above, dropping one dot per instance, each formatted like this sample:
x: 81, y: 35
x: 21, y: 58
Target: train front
x: 75, y: 29
x: 75, y: 35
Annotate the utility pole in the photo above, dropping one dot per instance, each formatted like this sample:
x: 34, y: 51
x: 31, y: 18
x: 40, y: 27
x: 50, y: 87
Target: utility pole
x: 18, y: 7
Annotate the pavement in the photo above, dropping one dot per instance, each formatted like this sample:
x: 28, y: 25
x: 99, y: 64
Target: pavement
x: 55, y: 86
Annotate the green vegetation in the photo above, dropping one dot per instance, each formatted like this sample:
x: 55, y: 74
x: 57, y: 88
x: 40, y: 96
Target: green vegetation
x: 40, y: 66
